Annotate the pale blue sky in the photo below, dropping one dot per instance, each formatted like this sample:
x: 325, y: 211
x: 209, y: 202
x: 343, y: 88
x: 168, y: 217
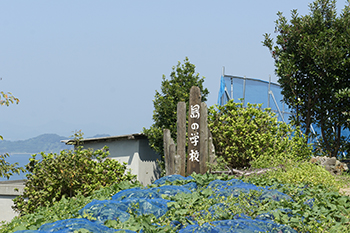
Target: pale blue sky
x: 95, y: 65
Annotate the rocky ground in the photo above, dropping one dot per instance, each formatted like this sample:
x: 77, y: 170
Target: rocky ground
x: 345, y: 180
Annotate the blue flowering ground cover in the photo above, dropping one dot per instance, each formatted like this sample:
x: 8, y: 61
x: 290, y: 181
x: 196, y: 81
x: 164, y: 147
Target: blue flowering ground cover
x: 155, y: 201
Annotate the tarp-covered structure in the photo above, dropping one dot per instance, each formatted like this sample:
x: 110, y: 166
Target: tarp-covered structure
x: 151, y: 200
x: 256, y: 91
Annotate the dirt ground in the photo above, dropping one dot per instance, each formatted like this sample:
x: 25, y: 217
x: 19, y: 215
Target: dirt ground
x: 346, y: 181
x: 345, y: 191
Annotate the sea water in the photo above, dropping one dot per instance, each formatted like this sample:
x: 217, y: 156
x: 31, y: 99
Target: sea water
x: 22, y: 159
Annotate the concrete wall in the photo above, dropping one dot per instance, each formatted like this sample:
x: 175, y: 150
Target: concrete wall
x: 7, y: 194
x: 140, y: 158
x: 148, y: 157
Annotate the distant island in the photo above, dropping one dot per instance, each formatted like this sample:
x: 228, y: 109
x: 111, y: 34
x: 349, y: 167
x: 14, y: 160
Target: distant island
x: 48, y: 143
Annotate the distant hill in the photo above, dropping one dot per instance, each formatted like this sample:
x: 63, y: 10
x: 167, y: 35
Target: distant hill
x: 45, y: 142
x: 100, y: 136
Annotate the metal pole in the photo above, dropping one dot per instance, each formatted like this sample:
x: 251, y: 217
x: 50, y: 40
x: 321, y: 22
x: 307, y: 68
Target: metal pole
x: 278, y: 109
x: 244, y: 90
x: 268, y: 93
x: 231, y: 88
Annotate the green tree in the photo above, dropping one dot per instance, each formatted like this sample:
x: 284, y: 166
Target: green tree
x: 344, y: 96
x: 252, y: 137
x: 7, y: 169
x: 312, y: 62
x: 68, y: 174
x: 174, y: 90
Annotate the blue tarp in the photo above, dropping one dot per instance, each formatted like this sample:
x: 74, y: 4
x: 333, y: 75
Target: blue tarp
x: 150, y: 193
x: 236, y: 187
x: 256, y: 91
x: 102, y: 211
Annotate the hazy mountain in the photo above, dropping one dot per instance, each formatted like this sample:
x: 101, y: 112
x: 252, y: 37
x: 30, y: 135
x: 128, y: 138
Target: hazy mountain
x: 100, y: 136
x: 45, y: 142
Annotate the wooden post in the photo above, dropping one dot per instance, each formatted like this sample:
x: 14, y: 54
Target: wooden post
x: 177, y: 166
x: 203, y: 140
x: 181, y: 139
x: 166, y: 143
x: 194, y: 131
x: 172, y: 150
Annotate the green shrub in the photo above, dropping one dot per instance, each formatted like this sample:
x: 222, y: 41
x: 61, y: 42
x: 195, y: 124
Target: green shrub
x: 68, y: 174
x: 306, y: 173
x: 252, y: 137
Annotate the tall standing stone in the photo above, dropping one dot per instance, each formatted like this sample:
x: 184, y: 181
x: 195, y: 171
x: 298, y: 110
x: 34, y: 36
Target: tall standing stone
x: 181, y: 138
x: 203, y: 142
x: 194, y: 116
x: 168, y: 157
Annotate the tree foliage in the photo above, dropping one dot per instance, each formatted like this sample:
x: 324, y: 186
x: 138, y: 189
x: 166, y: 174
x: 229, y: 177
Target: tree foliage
x: 174, y: 90
x: 312, y: 62
x: 252, y: 137
x: 7, y: 169
x: 343, y: 95
x: 68, y: 174
x: 7, y: 98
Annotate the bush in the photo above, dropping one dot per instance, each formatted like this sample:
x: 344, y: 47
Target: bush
x: 252, y: 137
x: 68, y: 174
x: 305, y: 173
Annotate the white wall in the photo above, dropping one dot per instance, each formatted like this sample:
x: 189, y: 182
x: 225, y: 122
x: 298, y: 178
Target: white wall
x: 7, y: 194
x: 140, y: 158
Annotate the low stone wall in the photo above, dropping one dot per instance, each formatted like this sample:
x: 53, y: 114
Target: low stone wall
x: 8, y: 191
x: 347, y: 162
x: 332, y: 165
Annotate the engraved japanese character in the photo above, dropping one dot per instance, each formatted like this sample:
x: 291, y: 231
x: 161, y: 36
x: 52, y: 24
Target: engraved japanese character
x: 195, y: 111
x: 195, y: 126
x: 194, y: 155
x: 194, y: 138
